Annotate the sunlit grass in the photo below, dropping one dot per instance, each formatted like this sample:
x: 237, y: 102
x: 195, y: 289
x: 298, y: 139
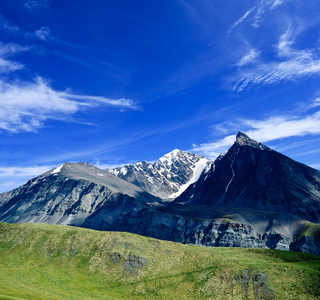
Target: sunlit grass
x: 39, y: 261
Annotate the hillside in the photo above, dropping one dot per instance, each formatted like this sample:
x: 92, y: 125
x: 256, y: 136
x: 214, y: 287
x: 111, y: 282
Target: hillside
x: 251, y: 197
x: 41, y: 261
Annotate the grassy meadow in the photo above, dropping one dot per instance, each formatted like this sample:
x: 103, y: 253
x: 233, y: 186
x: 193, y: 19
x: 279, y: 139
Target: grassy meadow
x: 40, y: 261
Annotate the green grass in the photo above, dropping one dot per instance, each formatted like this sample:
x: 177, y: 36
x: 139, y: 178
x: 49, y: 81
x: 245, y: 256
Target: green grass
x: 39, y: 261
x: 311, y: 230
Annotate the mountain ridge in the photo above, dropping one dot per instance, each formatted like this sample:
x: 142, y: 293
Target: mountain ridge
x: 251, y: 175
x: 251, y: 196
x: 166, y: 178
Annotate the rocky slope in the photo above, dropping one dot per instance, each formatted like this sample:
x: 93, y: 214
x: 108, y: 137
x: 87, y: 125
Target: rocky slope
x: 251, y: 175
x: 168, y: 177
x: 250, y: 197
x: 69, y: 194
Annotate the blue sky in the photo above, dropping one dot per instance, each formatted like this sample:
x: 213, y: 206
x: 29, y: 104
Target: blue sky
x: 115, y: 82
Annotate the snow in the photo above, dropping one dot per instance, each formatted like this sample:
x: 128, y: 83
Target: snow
x: 169, y: 157
x: 123, y: 170
x: 230, y: 179
x: 197, y: 171
x: 57, y: 170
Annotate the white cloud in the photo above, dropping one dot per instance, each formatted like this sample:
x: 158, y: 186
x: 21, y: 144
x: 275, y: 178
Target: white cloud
x: 242, y: 19
x: 250, y: 57
x: 212, y: 150
x: 257, y: 12
x: 35, y: 4
x: 276, y: 3
x: 284, y: 45
x: 13, y: 177
x: 4, y: 25
x: 272, y: 128
x: 26, y: 106
x: 43, y: 33
x: 7, y: 66
x: 291, y: 64
x: 6, y: 50
x: 11, y: 48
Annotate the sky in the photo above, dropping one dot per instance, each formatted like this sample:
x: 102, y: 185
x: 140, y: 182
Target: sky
x: 116, y: 82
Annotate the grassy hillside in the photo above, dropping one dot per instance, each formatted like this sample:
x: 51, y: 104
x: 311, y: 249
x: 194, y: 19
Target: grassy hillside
x: 39, y: 261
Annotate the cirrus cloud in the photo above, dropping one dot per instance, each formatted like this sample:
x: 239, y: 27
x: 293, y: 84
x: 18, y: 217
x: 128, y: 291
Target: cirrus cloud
x: 269, y: 129
x: 288, y: 65
x: 26, y: 106
x: 255, y: 13
x: 43, y: 33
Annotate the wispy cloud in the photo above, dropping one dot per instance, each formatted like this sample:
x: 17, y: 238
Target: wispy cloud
x: 7, y: 66
x: 269, y: 129
x: 6, y: 50
x: 12, y: 177
x: 36, y: 4
x: 214, y: 149
x: 248, y: 58
x: 6, y: 26
x: 255, y: 13
x: 43, y: 33
x: 11, y: 48
x: 242, y: 19
x: 290, y: 64
x: 26, y: 106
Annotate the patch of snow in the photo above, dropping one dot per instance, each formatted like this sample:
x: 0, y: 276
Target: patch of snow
x: 230, y: 179
x: 57, y: 170
x: 208, y: 167
x: 123, y: 171
x: 197, y: 171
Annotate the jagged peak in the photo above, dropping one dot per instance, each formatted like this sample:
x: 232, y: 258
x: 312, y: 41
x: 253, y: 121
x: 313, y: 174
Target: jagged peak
x: 244, y: 140
x: 173, y: 153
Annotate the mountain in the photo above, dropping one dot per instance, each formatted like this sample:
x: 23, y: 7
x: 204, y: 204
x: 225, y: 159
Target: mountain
x: 168, y: 177
x: 251, y: 175
x: 252, y: 196
x: 69, y: 194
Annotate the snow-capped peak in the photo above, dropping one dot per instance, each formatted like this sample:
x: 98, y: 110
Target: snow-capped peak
x: 168, y: 177
x: 57, y: 169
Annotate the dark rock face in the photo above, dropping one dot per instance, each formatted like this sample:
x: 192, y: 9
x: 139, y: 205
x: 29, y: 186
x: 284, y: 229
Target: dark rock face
x: 250, y: 197
x: 306, y: 244
x: 253, y: 176
x: 168, y: 177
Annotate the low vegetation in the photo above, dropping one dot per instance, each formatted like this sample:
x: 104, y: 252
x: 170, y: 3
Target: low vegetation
x: 310, y: 230
x: 40, y: 261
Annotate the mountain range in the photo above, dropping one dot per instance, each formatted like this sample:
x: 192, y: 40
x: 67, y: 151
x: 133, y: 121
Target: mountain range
x: 252, y: 196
